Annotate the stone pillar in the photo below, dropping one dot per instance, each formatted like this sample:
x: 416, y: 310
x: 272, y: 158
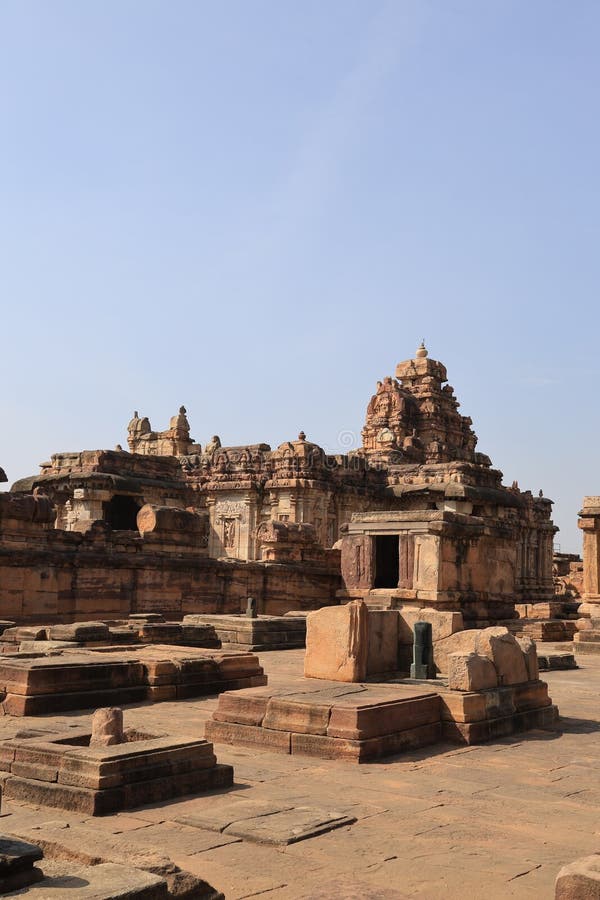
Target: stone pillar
x: 589, y: 522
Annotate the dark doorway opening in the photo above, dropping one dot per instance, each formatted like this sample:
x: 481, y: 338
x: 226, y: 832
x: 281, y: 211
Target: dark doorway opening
x: 387, y: 561
x: 121, y: 513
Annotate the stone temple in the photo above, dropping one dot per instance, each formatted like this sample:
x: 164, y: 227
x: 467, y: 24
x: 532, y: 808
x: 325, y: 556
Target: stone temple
x: 419, y: 515
x: 179, y: 622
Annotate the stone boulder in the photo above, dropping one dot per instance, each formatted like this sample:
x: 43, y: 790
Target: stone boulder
x: 471, y: 672
x: 337, y: 642
x: 460, y: 642
x: 502, y: 648
x: 580, y: 880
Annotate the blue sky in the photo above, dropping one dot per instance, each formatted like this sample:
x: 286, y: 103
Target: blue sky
x: 258, y: 208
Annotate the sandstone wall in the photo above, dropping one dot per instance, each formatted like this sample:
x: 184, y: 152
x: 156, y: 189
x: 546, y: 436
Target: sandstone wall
x: 50, y: 575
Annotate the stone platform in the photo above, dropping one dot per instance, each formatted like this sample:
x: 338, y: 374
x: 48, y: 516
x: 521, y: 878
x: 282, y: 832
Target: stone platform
x: 262, y: 633
x: 63, y: 770
x: 543, y: 630
x: 555, y: 659
x: 361, y: 722
x: 81, y: 679
x: 138, y: 629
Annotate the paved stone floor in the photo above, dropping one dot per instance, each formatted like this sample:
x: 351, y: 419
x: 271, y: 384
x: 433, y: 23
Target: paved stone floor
x: 489, y: 822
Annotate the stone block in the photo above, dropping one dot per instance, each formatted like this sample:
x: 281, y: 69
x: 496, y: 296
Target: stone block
x: 532, y: 695
x: 98, y: 780
x: 383, y: 641
x: 501, y: 647
x: 361, y: 721
x: 241, y: 708
x: 326, y: 747
x: 529, y: 648
x: 459, y: 642
x: 24, y: 633
x: 491, y: 729
x: 471, y: 672
x: 580, y: 880
x: 285, y: 714
x: 247, y: 736
x: 443, y: 624
x: 15, y: 856
x: 337, y: 642
x: 80, y: 632
x: 161, y: 632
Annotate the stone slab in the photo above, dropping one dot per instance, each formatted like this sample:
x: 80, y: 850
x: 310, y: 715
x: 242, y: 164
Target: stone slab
x: 15, y: 854
x: 108, y: 881
x: 549, y: 661
x: 261, y: 633
x: 269, y: 823
x: 90, y: 844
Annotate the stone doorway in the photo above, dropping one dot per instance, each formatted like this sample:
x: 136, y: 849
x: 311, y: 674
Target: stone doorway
x: 121, y: 513
x: 387, y: 561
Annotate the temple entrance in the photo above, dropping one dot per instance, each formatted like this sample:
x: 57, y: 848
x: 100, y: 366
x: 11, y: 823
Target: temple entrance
x: 121, y: 513
x: 387, y: 561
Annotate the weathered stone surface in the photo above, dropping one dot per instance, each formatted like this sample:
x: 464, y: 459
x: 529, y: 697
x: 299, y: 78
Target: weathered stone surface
x: 80, y: 631
x: 85, y: 678
x: 556, y: 660
x: 529, y: 648
x: 289, y: 826
x: 460, y: 642
x: 107, y: 727
x: 347, y: 888
x: 257, y: 633
x: 267, y: 822
x: 89, y: 845
x: 443, y: 624
x: 64, y: 771
x: 502, y: 648
x: 383, y: 641
x: 337, y: 643
x: 580, y: 880
x: 107, y: 881
x: 471, y: 672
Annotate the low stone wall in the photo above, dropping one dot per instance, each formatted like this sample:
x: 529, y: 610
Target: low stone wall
x: 84, y: 679
x: 47, y: 575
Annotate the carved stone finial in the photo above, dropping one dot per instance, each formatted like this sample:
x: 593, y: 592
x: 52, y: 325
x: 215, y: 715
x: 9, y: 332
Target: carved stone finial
x: 118, y: 448
x: 541, y: 493
x: 301, y: 436
x: 422, y: 351
x: 182, y: 410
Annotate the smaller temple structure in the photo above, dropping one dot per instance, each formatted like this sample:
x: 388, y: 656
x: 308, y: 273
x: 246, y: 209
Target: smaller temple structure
x: 175, y: 441
x: 452, y: 536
